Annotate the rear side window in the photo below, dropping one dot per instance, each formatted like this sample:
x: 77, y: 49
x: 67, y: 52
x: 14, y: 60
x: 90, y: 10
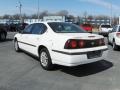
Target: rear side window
x: 39, y: 28
x: 28, y: 29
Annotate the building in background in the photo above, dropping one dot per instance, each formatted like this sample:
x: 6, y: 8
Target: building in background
x: 54, y: 18
x: 95, y: 22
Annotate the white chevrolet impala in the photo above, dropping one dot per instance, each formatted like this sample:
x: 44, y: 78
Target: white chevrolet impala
x: 60, y: 43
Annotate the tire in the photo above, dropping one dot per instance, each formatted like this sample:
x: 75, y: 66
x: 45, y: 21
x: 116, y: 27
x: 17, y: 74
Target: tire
x: 3, y: 36
x: 16, y: 46
x: 115, y: 47
x: 45, y: 59
x: 108, y: 41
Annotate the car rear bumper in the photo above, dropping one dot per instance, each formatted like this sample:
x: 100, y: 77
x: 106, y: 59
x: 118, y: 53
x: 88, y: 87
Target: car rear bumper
x: 74, y: 59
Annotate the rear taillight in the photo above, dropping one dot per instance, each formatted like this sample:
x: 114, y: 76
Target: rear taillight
x: 101, y: 42
x: 81, y: 44
x: 118, y: 35
x: 74, y: 44
x: 71, y: 44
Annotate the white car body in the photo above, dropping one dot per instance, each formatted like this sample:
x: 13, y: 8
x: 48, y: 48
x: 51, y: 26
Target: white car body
x: 113, y: 38
x: 55, y: 43
x: 104, y: 30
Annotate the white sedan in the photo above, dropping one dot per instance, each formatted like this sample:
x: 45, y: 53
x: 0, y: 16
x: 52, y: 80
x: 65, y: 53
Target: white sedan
x: 60, y: 43
x: 114, y: 37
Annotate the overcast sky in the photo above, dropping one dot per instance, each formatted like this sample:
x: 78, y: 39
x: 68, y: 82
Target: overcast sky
x: 75, y: 7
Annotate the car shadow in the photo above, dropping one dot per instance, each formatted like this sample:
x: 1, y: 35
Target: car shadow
x: 7, y: 40
x: 87, y: 69
x: 81, y: 70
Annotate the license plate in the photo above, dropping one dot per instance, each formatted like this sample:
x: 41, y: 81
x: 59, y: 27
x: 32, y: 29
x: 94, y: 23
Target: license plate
x: 94, y: 54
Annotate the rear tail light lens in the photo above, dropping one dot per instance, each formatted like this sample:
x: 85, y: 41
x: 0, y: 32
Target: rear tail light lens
x: 73, y: 43
x: 118, y: 35
x: 70, y: 44
x: 81, y: 44
x: 101, y: 42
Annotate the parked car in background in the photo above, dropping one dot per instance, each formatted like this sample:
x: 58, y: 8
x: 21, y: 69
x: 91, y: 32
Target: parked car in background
x: 104, y: 29
x: 114, y: 37
x: 60, y: 43
x: 21, y: 26
x: 3, y: 32
x: 87, y: 27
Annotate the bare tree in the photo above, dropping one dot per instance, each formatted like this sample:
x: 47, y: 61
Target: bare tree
x: 16, y: 16
x: 62, y: 13
x: 6, y: 16
x: 34, y: 16
x: 44, y: 13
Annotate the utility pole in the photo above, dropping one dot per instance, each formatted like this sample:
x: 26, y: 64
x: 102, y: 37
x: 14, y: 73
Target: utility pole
x: 20, y: 10
x: 111, y: 11
x: 38, y: 10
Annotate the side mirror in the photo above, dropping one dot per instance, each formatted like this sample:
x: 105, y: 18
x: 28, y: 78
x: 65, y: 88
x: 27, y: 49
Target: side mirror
x: 20, y: 31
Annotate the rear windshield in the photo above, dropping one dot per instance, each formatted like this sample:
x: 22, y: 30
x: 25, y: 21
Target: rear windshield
x: 106, y: 26
x: 60, y: 27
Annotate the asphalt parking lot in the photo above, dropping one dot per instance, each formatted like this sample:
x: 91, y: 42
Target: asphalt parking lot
x: 21, y: 71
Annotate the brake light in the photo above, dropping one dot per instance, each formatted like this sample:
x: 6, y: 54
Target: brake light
x: 101, y: 42
x: 118, y: 35
x: 81, y: 43
x: 74, y: 44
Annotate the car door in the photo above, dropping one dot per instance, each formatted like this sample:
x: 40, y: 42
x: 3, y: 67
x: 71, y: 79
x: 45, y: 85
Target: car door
x: 23, y: 39
x: 36, y: 36
x: 111, y: 35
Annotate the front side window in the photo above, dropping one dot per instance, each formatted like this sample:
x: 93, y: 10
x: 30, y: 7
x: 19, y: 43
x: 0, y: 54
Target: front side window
x: 65, y: 28
x: 28, y: 29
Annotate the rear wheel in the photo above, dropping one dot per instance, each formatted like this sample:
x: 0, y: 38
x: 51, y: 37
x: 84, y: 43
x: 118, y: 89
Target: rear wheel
x: 115, y: 47
x: 45, y: 59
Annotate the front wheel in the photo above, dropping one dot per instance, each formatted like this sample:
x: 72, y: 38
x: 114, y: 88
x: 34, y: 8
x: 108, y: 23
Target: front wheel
x: 16, y: 46
x: 45, y: 59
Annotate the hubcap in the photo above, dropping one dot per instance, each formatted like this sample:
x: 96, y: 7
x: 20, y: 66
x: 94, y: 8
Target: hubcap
x: 44, y: 59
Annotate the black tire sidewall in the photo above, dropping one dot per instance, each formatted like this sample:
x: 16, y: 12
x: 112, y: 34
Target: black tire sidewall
x: 115, y: 47
x: 15, y: 41
x: 49, y: 65
x: 1, y: 36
